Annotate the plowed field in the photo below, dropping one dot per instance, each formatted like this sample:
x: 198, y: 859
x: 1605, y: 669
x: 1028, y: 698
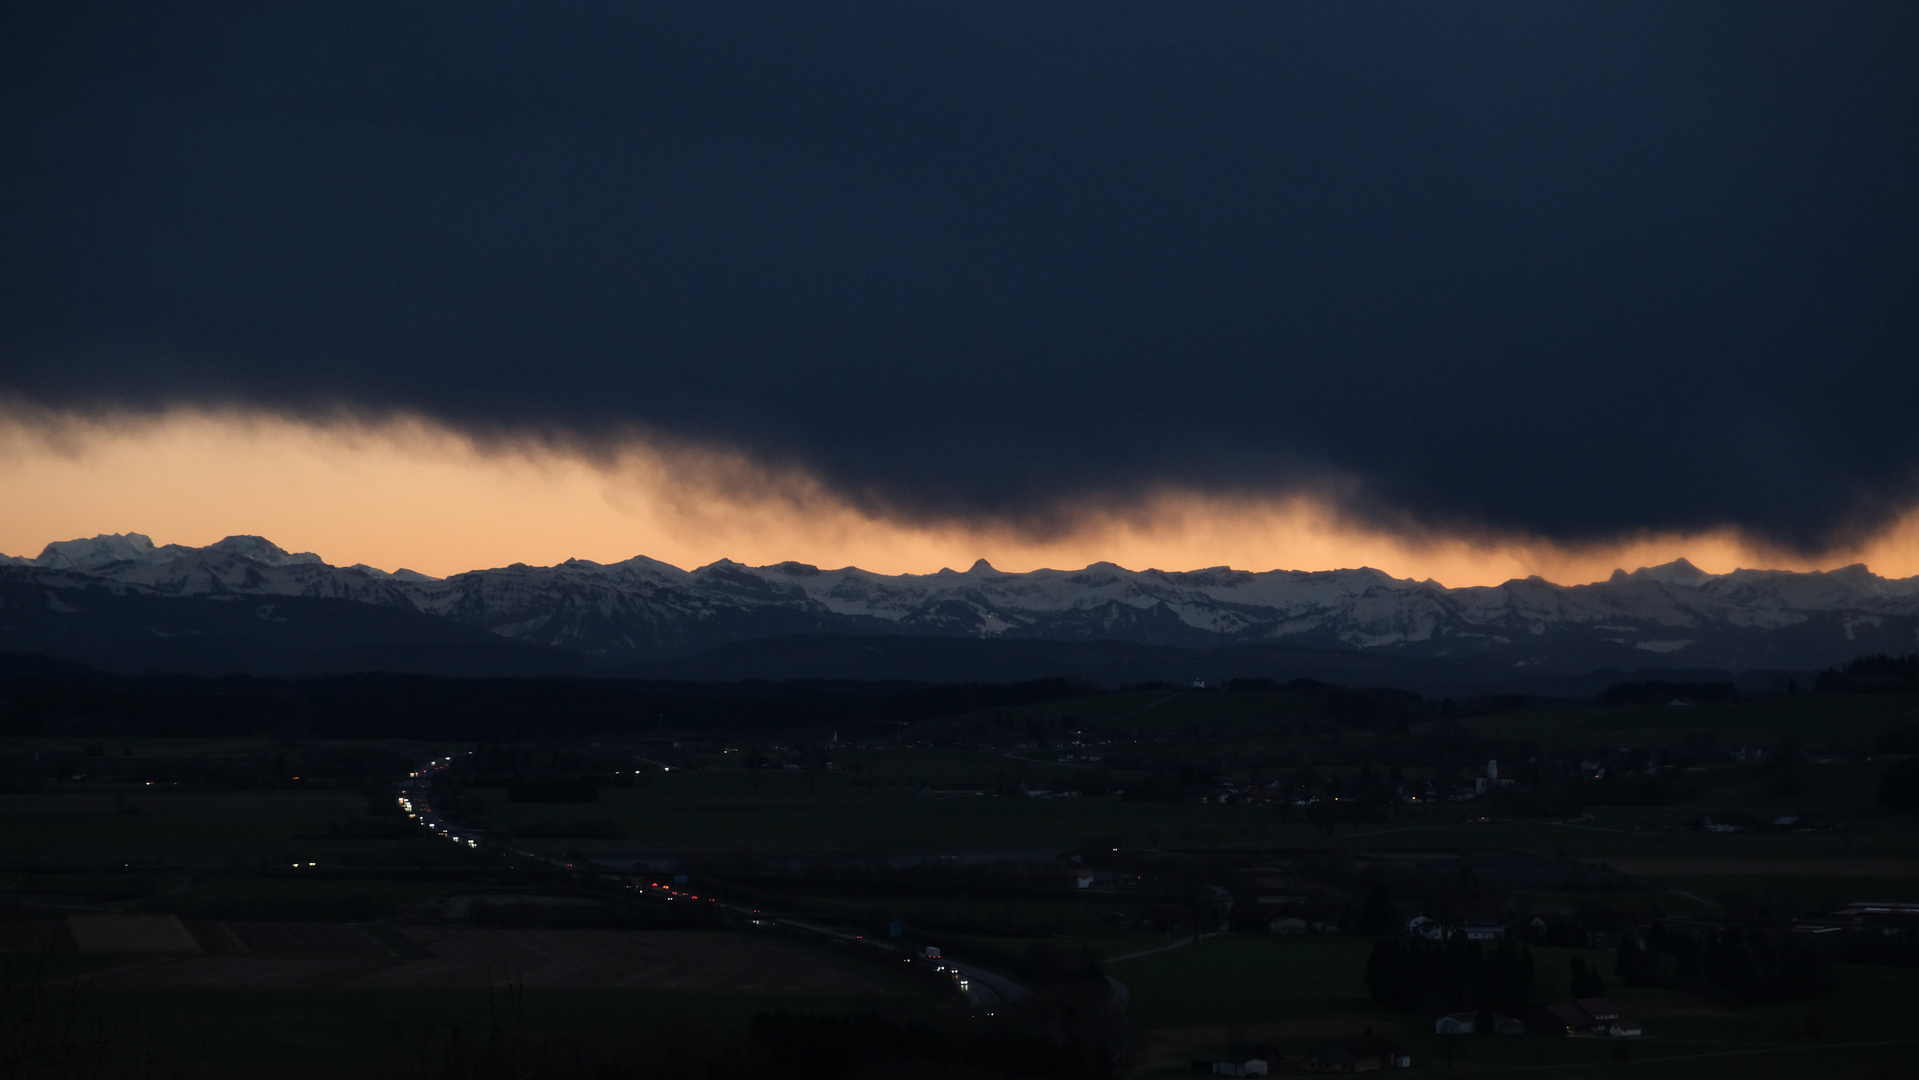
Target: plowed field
x: 341, y: 956
x: 130, y: 934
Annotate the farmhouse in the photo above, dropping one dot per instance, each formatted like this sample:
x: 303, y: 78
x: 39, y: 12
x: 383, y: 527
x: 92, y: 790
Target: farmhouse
x: 1237, y: 1061
x: 1570, y: 1020
x: 1467, y: 1023
x: 1888, y: 917
x: 1367, y: 1053
x: 1597, y: 1017
x: 1483, y: 930
x: 1598, y: 1008
x: 1730, y: 821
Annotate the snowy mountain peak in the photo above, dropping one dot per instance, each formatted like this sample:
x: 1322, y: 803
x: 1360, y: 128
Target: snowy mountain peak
x: 1677, y: 572
x: 263, y: 551
x: 100, y: 552
x: 402, y: 574
x: 108, y: 550
x: 640, y: 564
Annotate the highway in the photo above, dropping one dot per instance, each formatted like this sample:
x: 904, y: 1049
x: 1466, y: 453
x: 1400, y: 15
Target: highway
x: 986, y: 991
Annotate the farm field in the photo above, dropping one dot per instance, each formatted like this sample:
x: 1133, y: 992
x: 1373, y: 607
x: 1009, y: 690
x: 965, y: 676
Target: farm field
x: 1297, y: 994
x: 84, y: 829
x: 335, y: 956
x: 724, y: 811
x: 245, y: 916
x: 331, y: 999
x: 399, y: 1034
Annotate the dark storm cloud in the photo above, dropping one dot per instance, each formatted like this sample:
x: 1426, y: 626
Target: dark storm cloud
x: 1570, y: 268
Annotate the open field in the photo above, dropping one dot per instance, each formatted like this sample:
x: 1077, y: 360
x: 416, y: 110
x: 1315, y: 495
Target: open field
x: 782, y: 813
x: 333, y: 999
x: 869, y: 800
x: 1299, y: 993
x: 721, y: 811
x: 299, y: 954
x: 281, y: 956
x: 391, y: 1034
x: 211, y: 829
x: 1186, y: 713
x: 1848, y: 722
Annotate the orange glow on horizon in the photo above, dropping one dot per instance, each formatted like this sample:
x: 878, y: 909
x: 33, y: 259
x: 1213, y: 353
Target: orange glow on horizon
x: 403, y: 491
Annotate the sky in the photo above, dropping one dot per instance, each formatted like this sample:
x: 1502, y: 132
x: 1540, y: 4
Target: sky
x: 1462, y: 291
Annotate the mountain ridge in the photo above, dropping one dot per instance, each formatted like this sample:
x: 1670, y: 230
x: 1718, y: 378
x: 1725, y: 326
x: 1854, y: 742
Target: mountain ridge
x: 641, y: 612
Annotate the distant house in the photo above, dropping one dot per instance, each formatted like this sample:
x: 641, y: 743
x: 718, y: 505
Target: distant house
x: 1466, y: 1023
x: 1570, y: 1020
x: 1287, y: 925
x: 1367, y: 1053
x: 1730, y: 821
x: 1598, y: 1008
x: 1483, y: 930
x: 1474, y: 928
x: 1338, y: 1057
x: 1592, y: 1017
x: 1238, y: 1061
x: 1889, y: 917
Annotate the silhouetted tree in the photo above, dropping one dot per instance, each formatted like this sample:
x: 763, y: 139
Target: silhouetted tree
x: 1402, y: 972
x: 1585, y: 980
x: 1899, y: 786
x: 1376, y: 916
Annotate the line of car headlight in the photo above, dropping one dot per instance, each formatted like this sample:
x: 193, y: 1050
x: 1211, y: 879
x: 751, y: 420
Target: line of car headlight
x: 425, y: 817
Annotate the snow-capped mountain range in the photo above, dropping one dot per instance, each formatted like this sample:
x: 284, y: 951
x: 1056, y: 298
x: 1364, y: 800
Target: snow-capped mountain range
x: 642, y: 612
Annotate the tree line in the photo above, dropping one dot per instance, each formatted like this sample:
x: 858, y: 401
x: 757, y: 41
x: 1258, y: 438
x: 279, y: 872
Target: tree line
x: 1735, y: 964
